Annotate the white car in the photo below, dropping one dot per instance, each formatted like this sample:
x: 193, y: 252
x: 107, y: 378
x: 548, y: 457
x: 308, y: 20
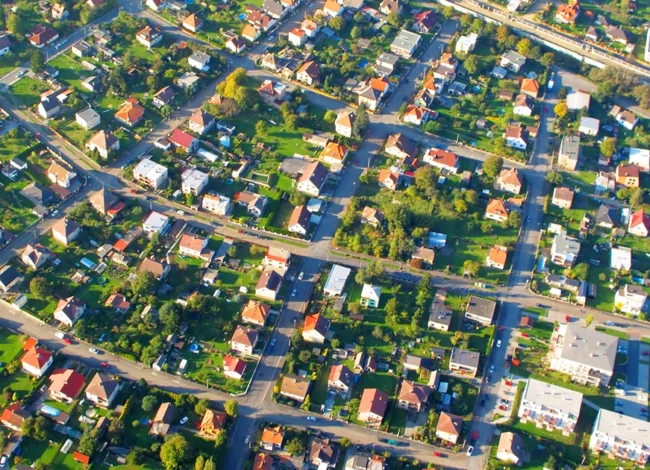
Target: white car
x: 94, y: 351
x: 179, y: 212
x: 293, y: 294
x: 184, y: 420
x: 301, y: 275
x: 311, y: 418
x: 610, y: 323
x: 470, y: 449
x: 3, y: 461
x: 491, y: 368
x: 59, y: 334
x: 498, y: 343
x: 247, y: 440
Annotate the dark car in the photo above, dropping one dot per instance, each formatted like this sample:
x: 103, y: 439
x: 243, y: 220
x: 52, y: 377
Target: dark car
x: 482, y: 403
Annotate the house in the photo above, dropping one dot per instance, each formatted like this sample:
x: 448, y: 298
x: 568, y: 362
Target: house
x: 332, y: 8
x: 529, y: 87
x: 567, y: 13
x: 480, y: 310
x: 295, y: 387
x: 586, y: 355
x: 216, y: 204
x: 102, y: 390
x: 440, y: 315
x: 370, y: 296
x: 9, y: 277
x: 400, y: 146
x: 496, y: 210
x: 42, y: 35
x: 336, y: 281
x: 523, y: 105
x: 323, y: 453
x: 592, y: 34
x: 334, y: 154
x: 254, y: 203
x: 630, y: 299
x: 163, y: 419
x: 310, y: 27
x: 466, y: 44
x: 442, y: 159
x: 628, y: 175
x: 274, y: 8
x: 95, y: 3
x: 413, y: 396
x: 35, y: 256
x: 199, y: 60
x: 369, y: 97
x: 255, y: 312
x: 65, y: 231
x: 517, y: 136
x: 626, y: 119
x: 425, y: 21
x: 385, y: 64
x: 620, y: 258
x: 272, y: 438
x: 212, y: 423
x: 607, y: 216
x: 201, y: 121
x: 192, y: 23
x: 233, y: 367
x: 465, y: 362
x: 620, y: 437
x: 313, y: 179
x: 563, y: 197
x: 59, y: 11
x: 299, y: 220
x: 344, y: 123
x: 259, y: 20
x: 36, y: 361
x: 118, y: 303
x: 272, y: 93
x: 308, y: 73
x: 88, y: 118
x: 372, y: 407
x: 388, y: 179
x: 509, y: 180
x: 372, y: 217
x: 449, y: 427
x: 640, y: 158
x: 244, y: 340
x: 277, y: 257
x: 497, y: 257
x: 550, y: 406
x: 155, y: 223
x: 405, y: 42
x: 263, y: 461
x: 512, y: 61
x: 187, y: 81
x: 251, y: 33
x: 297, y: 37
x: 81, y: 49
x: 163, y: 97
x: 511, y: 449
x: 130, y: 113
x: 156, y: 5
x: 103, y: 142
x: 315, y: 328
x: 416, y: 115
x: 158, y: 269
x: 13, y: 418
x: 149, y: 36
x: 569, y: 153
x: 340, y: 380
x: 564, y: 250
x: 92, y: 83
x: 639, y: 224
x: 268, y: 285
x: 150, y: 173
x: 577, y: 100
x: 69, y: 310
x: 60, y: 175
x: 65, y: 385
x: 616, y: 34
x: 192, y: 245
x: 589, y: 126
x: 183, y: 140
x: 193, y: 182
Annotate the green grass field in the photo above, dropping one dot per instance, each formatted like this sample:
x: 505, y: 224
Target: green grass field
x: 28, y: 91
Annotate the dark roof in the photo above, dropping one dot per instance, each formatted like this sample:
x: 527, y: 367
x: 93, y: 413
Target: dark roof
x: 38, y: 193
x: 607, y: 215
x: 8, y: 274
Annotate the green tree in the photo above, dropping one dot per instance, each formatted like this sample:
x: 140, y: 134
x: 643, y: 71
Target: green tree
x: 547, y: 59
x: 143, y: 283
x: 201, y: 406
x: 636, y: 198
x: 471, y: 267
x: 608, y: 147
x: 580, y: 271
x: 514, y: 219
x: 492, y: 166
x: 297, y: 198
x: 394, y: 19
x: 200, y: 463
x: 295, y: 447
x: 16, y: 25
x: 136, y: 456
x: 472, y: 64
x: 524, y: 46
x: 336, y: 23
x: 36, y: 61
x: 40, y: 287
x: 209, y: 464
x: 555, y: 177
x: 355, y: 32
x: 330, y: 116
x: 551, y: 463
x: 261, y: 128
x: 149, y: 402
x: 562, y: 93
x: 361, y: 122
x: 36, y: 428
x: 175, y: 452
x: 88, y: 442
x: 231, y: 408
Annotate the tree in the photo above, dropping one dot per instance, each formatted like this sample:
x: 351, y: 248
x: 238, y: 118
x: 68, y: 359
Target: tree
x: 297, y: 199
x: 88, y: 442
x: 492, y: 166
x: 472, y: 64
x: 608, y: 147
x: 355, y: 32
x: 336, y: 23
x: 200, y: 463
x: 642, y: 94
x: 143, y: 283
x: 201, y: 406
x: 562, y: 93
x: 555, y: 177
x: 295, y: 447
x: 170, y: 316
x: 361, y: 122
x: 175, y: 452
x: 304, y: 356
x: 149, y: 402
x: 40, y: 287
x: 36, y: 61
x: 137, y: 456
x: 547, y: 59
x: 589, y: 319
x: 432, y: 127
x: 36, y: 428
x: 394, y: 19
x: 561, y: 109
x: 231, y: 408
x: 471, y: 267
x: 514, y: 219
x: 503, y: 33
x: 524, y: 46
x: 551, y: 463
x: 330, y: 116
x: 580, y: 271
x: 16, y: 25
x: 636, y: 198
x: 261, y: 128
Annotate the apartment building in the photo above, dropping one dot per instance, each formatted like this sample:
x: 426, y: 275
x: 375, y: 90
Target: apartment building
x: 550, y: 407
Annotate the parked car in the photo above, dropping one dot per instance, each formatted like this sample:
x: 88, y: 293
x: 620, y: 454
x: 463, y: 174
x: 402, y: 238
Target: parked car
x: 184, y: 420
x: 498, y: 343
x: 470, y: 449
x: 105, y: 365
x: 59, y: 335
x: 94, y: 351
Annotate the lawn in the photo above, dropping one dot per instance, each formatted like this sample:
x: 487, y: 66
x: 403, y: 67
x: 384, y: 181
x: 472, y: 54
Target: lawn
x: 11, y: 345
x: 19, y: 382
x: 15, y: 211
x: 28, y: 91
x: 11, y: 146
x: 613, y: 332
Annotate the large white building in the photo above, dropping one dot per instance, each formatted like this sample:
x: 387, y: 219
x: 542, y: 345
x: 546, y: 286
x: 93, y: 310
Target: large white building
x: 336, y: 280
x: 621, y: 437
x: 586, y: 355
x: 193, y: 182
x: 150, y: 173
x: 550, y: 407
x: 217, y: 204
x: 630, y: 299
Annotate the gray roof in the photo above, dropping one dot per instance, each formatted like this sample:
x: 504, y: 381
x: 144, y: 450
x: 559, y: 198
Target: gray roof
x: 559, y: 398
x: 565, y: 244
x: 570, y: 147
x: 200, y: 56
x: 607, y: 215
x: 465, y: 358
x: 406, y: 40
x: 38, y: 194
x: 481, y: 307
x: 515, y: 58
x: 88, y: 114
x: 588, y: 347
x: 388, y: 58
x: 8, y: 274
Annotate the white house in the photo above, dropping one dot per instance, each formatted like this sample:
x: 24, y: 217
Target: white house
x: 69, y: 310
x: 88, y: 118
x: 630, y: 299
x: 639, y: 157
x: 37, y: 360
x: 512, y: 61
x: 199, y: 60
x: 102, y: 390
x: 621, y: 437
x: 550, y: 407
x: 155, y: 223
x: 103, y: 142
x: 217, y: 204
x: 60, y: 175
x: 589, y: 126
x: 466, y: 44
x: 370, y: 296
x: 313, y: 179
x: 336, y: 280
x: 621, y: 258
x: 150, y: 173
x: 194, y: 181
